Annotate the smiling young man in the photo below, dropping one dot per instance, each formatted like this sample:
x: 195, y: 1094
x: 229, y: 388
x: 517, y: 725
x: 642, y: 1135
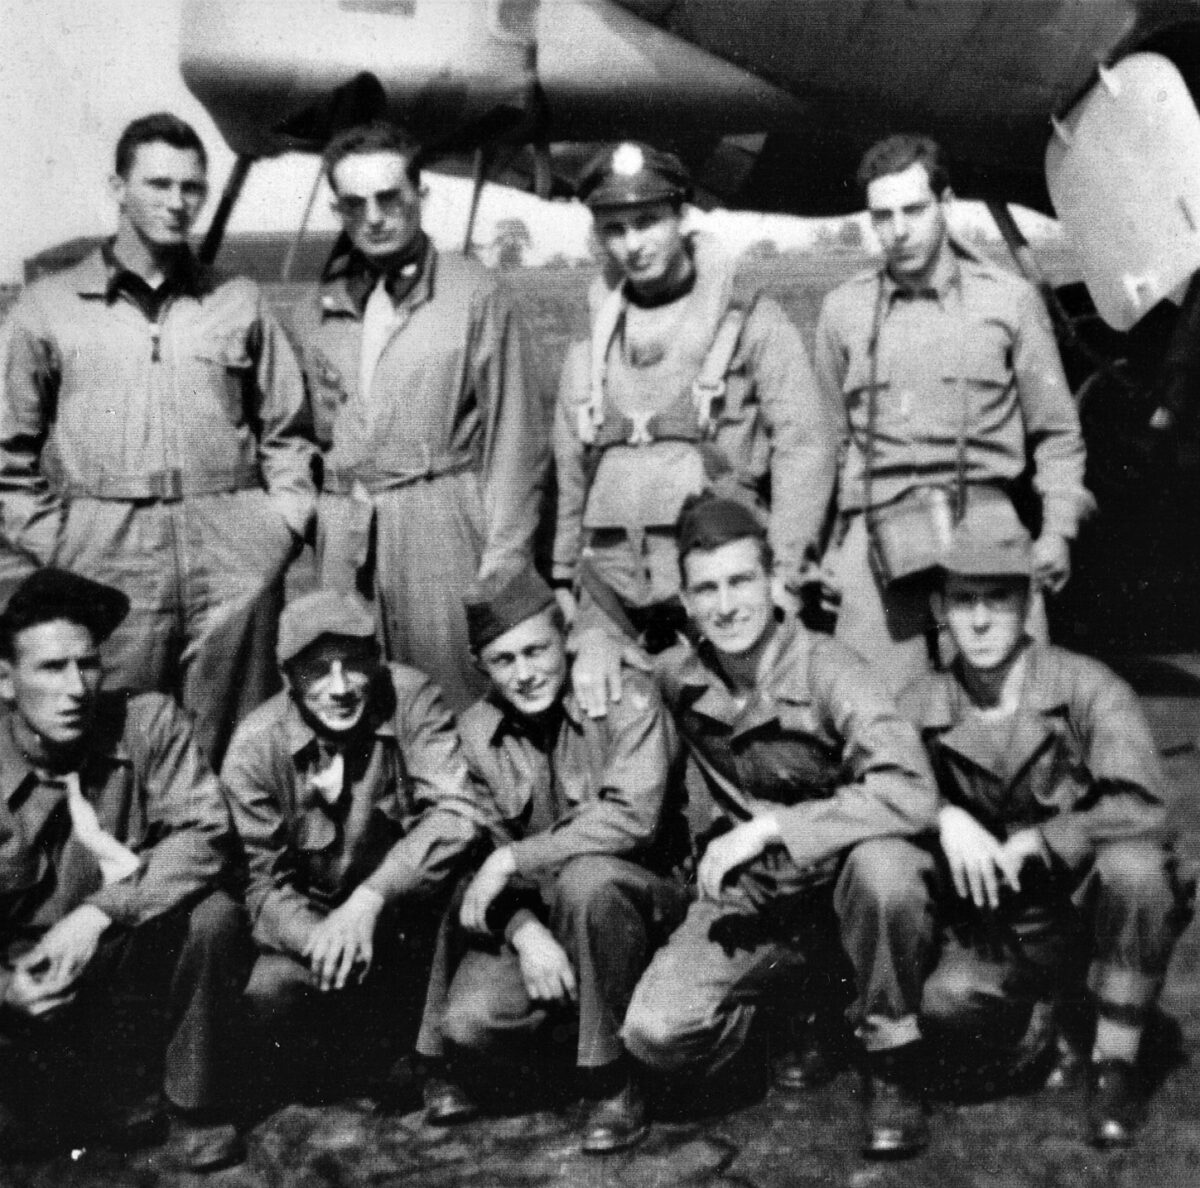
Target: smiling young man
x: 435, y: 439
x: 351, y: 797
x: 559, y: 922
x: 690, y: 378
x: 1057, y: 854
x: 152, y: 437
x: 949, y: 382
x: 112, y: 837
x: 817, y: 786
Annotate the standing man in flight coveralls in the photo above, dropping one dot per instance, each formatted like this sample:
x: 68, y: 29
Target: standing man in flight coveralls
x: 690, y: 378
x: 151, y: 438
x: 435, y: 443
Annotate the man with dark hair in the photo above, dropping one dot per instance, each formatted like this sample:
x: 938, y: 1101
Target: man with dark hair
x: 1057, y: 853
x: 352, y: 801
x: 950, y: 382
x: 561, y: 918
x: 817, y: 787
x: 434, y: 436
x: 152, y: 436
x: 112, y: 836
x: 690, y: 379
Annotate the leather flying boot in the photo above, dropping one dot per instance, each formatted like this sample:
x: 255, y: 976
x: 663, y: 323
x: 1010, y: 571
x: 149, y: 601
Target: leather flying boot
x: 1114, y: 1104
x: 447, y: 1103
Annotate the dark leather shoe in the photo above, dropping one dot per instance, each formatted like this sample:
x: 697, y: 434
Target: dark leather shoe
x: 204, y: 1146
x: 894, y: 1122
x: 1069, y: 1067
x: 814, y: 1059
x: 616, y: 1122
x: 447, y: 1103
x: 1114, y: 1105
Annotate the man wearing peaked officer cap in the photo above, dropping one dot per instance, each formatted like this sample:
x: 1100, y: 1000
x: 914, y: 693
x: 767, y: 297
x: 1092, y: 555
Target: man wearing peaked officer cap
x: 352, y: 801
x: 113, y: 837
x: 816, y: 789
x: 563, y: 915
x: 689, y: 379
x: 1055, y: 851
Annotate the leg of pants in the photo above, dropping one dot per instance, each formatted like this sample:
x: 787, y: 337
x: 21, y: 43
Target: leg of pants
x: 1137, y: 909
x: 884, y: 903
x: 607, y: 914
x: 193, y: 962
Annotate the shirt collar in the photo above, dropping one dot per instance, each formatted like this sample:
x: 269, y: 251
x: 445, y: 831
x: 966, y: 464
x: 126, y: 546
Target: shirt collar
x: 188, y: 277
x: 508, y: 721
x: 106, y: 742
x: 947, y: 275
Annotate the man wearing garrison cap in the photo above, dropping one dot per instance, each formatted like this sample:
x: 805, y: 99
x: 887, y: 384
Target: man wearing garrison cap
x: 817, y: 787
x: 561, y: 919
x: 690, y: 378
x: 352, y: 800
x: 1056, y: 853
x: 112, y: 837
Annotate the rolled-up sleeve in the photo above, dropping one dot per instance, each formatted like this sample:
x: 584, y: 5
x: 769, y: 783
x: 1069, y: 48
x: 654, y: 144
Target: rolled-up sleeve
x: 185, y: 811
x: 887, y: 787
x: 447, y: 817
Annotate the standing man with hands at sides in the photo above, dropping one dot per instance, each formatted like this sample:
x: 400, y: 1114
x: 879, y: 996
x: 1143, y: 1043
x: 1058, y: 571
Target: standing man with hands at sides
x: 562, y: 917
x: 819, y: 787
x: 351, y: 797
x: 690, y: 379
x: 435, y: 442
x: 950, y: 386
x: 113, y: 835
x: 1053, y: 833
x: 152, y: 437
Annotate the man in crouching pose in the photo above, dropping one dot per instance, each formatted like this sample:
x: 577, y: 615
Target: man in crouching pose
x: 352, y: 800
x: 819, y: 786
x: 112, y: 837
x: 1052, y: 829
x: 562, y: 917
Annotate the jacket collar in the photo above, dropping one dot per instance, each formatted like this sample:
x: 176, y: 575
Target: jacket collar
x: 1043, y: 706
x: 705, y: 690
x: 97, y: 275
x: 300, y: 734
x: 504, y: 720
x: 341, y: 289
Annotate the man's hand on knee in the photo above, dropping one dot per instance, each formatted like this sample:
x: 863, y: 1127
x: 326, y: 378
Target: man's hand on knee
x: 490, y: 879
x: 343, y: 943
x: 978, y: 861
x: 734, y: 849
x: 545, y: 967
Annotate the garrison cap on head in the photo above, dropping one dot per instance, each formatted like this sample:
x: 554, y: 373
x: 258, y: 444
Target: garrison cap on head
x: 498, y: 603
x: 708, y: 521
x: 50, y: 593
x: 322, y: 612
x: 630, y: 174
x: 989, y: 541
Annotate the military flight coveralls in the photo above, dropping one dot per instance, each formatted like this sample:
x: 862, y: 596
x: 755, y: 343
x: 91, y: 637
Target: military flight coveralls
x: 158, y: 446
x: 654, y: 408
x: 397, y: 816
x: 972, y: 358
x: 1076, y: 762
x: 821, y: 747
x: 434, y: 473
x: 590, y: 810
x: 174, y: 939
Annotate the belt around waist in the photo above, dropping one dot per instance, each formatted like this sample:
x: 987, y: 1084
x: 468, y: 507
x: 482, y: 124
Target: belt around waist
x: 433, y: 465
x: 163, y: 486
